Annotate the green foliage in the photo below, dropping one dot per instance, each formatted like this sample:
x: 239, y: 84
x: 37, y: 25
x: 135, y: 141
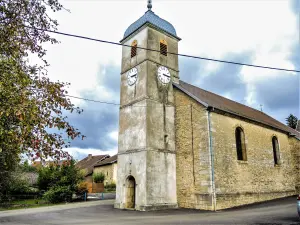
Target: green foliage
x: 110, y: 187
x: 58, y: 194
x: 81, y: 188
x: 98, y: 177
x: 18, y: 185
x: 292, y: 121
x: 25, y: 167
x: 67, y: 175
x: 31, y: 104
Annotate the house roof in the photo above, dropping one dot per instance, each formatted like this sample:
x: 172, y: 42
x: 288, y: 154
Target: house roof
x: 209, y: 99
x: 89, y: 162
x: 107, y: 161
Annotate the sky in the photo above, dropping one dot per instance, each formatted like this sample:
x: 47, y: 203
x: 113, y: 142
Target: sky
x: 255, y: 32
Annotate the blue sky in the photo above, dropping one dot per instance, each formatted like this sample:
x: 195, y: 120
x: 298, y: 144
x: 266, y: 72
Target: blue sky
x: 255, y: 32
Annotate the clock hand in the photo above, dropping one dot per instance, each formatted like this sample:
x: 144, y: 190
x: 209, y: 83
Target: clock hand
x: 133, y: 75
x: 166, y: 75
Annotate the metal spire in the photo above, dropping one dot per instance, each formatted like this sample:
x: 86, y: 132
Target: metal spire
x: 149, y: 4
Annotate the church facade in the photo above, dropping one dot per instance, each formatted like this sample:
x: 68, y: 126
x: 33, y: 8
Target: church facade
x: 182, y: 146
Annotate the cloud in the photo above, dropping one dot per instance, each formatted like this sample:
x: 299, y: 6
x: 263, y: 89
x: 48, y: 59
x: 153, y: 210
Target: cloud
x: 257, y: 32
x: 224, y: 80
x: 99, y: 122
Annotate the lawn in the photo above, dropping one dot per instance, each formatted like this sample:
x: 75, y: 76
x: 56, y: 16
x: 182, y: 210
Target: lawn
x: 24, y: 203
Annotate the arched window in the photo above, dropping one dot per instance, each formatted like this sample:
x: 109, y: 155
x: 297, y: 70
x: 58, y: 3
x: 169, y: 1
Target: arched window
x: 163, y: 47
x: 240, y: 144
x: 133, y: 48
x: 276, y: 150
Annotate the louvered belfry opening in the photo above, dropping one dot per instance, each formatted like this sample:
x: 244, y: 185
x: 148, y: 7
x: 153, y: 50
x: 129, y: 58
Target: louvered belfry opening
x: 133, y: 48
x: 163, y: 47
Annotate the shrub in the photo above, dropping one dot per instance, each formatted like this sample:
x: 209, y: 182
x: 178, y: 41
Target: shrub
x: 111, y: 186
x: 82, y: 188
x: 98, y: 177
x: 66, y: 175
x: 58, y: 194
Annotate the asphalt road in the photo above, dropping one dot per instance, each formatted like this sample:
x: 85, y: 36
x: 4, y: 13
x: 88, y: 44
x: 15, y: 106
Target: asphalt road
x: 102, y: 212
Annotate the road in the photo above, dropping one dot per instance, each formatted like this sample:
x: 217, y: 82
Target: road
x: 102, y: 212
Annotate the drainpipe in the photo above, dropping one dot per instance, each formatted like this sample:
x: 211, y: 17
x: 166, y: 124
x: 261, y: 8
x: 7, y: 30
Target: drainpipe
x: 211, y: 157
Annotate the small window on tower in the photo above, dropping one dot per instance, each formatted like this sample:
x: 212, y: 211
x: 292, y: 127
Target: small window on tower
x: 163, y: 47
x: 133, y: 48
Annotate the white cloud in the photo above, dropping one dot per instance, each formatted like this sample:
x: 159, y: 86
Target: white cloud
x: 114, y: 135
x: 212, y: 29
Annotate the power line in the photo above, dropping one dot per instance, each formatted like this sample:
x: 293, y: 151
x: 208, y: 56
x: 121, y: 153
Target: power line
x: 91, y: 100
x: 113, y: 103
x: 172, y: 53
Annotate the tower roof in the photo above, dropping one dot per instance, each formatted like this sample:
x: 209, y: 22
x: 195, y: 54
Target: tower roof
x: 151, y: 18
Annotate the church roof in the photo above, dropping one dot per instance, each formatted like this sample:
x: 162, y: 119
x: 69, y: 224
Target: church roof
x: 151, y: 18
x: 209, y: 99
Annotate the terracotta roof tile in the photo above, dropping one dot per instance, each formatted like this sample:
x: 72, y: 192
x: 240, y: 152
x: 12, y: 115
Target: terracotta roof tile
x: 209, y: 99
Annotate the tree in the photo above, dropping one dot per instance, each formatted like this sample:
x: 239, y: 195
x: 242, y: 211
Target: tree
x: 66, y: 174
x: 59, y: 181
x: 98, y: 177
x: 26, y: 167
x: 291, y: 121
x: 31, y: 105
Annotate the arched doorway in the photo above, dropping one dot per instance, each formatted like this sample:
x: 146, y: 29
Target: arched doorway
x: 130, y: 193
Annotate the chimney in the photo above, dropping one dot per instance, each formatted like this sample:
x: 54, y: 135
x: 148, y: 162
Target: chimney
x: 90, y: 156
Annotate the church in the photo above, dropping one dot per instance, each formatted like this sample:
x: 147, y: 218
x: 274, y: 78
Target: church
x: 182, y: 146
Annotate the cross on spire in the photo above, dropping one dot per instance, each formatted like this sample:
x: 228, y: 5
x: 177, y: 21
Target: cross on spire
x: 149, y: 4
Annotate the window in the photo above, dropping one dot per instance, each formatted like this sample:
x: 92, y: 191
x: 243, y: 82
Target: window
x: 240, y: 144
x: 163, y: 47
x: 276, y: 150
x: 133, y: 48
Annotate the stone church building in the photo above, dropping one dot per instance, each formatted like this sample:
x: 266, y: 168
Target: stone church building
x: 182, y: 146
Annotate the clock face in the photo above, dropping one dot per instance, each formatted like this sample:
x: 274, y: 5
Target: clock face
x: 132, y: 76
x: 163, y: 74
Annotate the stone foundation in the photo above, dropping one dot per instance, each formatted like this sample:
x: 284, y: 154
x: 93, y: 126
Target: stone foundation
x: 147, y: 207
x: 225, y: 201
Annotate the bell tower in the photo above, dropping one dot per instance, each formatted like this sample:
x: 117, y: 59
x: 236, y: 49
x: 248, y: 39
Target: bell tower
x: 146, y: 178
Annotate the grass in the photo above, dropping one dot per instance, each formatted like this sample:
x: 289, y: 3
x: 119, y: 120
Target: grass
x: 25, y: 203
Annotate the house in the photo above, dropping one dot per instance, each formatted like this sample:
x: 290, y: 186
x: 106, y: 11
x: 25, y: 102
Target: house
x: 109, y: 168
x: 87, y: 165
x: 182, y: 146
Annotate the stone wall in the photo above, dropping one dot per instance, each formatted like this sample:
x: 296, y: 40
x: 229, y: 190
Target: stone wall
x: 108, y: 171
x: 258, y: 178
x: 236, y: 182
x: 194, y: 184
